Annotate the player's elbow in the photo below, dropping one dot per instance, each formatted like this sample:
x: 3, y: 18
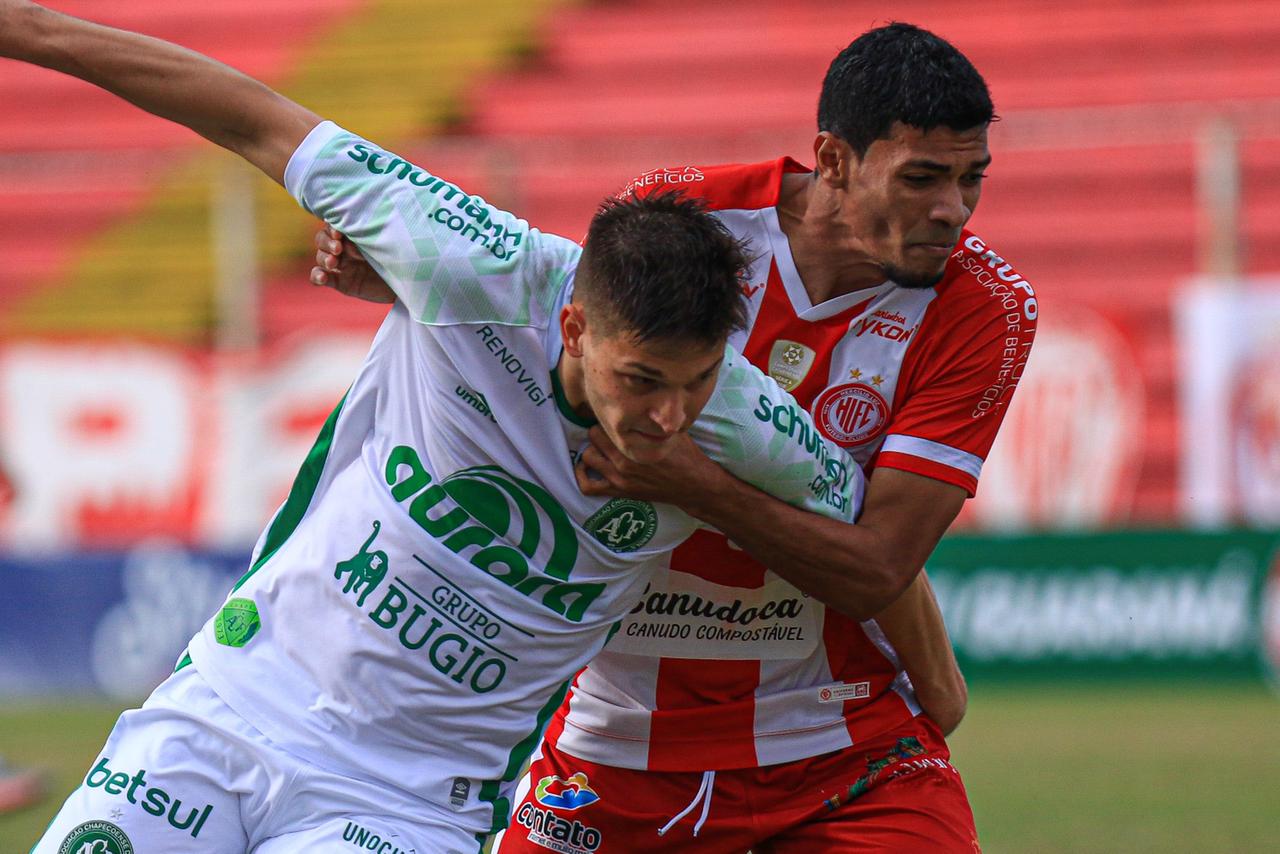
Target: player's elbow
x: 943, y: 697
x: 883, y: 581
x: 952, y: 711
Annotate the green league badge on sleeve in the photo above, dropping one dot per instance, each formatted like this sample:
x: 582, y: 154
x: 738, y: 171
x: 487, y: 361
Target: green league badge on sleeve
x: 237, y: 623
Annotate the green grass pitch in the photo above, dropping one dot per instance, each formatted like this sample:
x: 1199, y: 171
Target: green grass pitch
x: 1050, y: 768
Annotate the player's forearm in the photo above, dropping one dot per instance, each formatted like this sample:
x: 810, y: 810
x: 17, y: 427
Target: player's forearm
x: 913, y: 625
x: 216, y: 101
x: 848, y: 567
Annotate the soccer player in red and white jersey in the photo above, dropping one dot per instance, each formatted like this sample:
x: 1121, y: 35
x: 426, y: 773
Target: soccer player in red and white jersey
x: 753, y: 700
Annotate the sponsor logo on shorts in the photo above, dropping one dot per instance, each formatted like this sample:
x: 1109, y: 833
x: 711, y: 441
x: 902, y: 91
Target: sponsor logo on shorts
x: 368, y: 840
x: 789, y: 363
x: 624, y: 524
x: 851, y: 414
x: 237, y: 623
x: 153, y: 800
x: 570, y: 794
x: 550, y: 831
x: 96, y: 837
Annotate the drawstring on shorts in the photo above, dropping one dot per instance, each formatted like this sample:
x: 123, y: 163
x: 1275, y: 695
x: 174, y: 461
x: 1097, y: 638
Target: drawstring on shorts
x: 704, y: 795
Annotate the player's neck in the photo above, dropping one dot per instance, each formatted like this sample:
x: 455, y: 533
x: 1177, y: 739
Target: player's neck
x: 827, y: 254
x: 573, y: 384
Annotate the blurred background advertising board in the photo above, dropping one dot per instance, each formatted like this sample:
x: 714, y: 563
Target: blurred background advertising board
x: 1119, y: 605
x: 109, y: 622
x: 109, y: 442
x: 1229, y: 340
x: 1070, y: 451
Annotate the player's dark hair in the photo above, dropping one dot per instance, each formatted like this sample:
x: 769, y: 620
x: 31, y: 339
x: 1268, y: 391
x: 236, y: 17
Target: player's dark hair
x: 660, y: 268
x: 900, y: 73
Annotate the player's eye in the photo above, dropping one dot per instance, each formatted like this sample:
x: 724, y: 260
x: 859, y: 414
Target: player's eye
x: 639, y: 382
x: 706, y: 377
x: 918, y: 180
x: 975, y: 178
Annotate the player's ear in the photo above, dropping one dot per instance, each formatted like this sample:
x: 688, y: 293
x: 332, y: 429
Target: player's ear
x: 573, y: 325
x: 833, y: 158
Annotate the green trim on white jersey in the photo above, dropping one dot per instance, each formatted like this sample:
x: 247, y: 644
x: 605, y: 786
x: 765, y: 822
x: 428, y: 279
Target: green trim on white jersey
x: 291, y: 512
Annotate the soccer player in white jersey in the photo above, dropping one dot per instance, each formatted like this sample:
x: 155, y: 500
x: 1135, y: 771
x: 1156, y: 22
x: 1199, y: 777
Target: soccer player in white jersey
x: 415, y: 609
x: 905, y: 335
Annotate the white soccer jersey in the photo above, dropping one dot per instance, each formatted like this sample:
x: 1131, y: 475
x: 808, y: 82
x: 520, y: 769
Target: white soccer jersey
x: 416, y: 607
x: 724, y: 664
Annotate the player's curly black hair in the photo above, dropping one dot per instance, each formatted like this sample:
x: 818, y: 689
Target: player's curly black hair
x: 660, y: 268
x: 900, y: 73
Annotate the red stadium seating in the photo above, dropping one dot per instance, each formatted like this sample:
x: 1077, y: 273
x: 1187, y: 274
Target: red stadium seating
x: 1105, y: 221
x: 49, y: 121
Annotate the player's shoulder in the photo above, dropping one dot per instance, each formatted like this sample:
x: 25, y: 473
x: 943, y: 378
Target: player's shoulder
x: 731, y: 186
x: 979, y: 276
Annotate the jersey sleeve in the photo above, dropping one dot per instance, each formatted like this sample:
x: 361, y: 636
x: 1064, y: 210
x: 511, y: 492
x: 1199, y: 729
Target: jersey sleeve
x: 758, y: 432
x: 958, y: 388
x: 450, y: 257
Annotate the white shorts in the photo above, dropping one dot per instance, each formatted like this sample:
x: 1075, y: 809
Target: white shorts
x: 186, y: 775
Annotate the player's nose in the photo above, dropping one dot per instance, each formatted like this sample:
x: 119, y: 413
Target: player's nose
x: 950, y: 208
x: 668, y: 413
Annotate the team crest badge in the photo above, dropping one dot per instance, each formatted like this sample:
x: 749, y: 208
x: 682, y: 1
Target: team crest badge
x: 851, y: 414
x: 237, y: 623
x: 96, y: 837
x: 789, y: 363
x: 624, y: 524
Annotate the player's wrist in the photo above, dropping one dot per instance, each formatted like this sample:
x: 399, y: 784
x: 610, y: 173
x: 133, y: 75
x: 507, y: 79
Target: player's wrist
x: 19, y: 34
x: 714, y: 496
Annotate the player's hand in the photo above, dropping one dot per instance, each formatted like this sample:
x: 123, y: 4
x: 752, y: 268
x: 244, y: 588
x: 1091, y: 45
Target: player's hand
x: 603, y: 470
x: 339, y: 265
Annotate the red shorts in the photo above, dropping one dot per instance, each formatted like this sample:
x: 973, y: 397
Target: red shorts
x: 896, y: 793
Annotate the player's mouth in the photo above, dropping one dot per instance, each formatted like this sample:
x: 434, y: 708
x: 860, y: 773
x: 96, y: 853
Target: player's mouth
x: 934, y: 250
x: 655, y: 438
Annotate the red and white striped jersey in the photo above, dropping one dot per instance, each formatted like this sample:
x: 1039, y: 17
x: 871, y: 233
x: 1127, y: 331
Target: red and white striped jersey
x: 723, y: 664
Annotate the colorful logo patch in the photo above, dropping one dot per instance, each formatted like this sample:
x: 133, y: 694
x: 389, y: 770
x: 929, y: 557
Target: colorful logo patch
x: 96, y: 837
x: 237, y: 623
x: 624, y: 524
x: 570, y: 794
x: 851, y: 414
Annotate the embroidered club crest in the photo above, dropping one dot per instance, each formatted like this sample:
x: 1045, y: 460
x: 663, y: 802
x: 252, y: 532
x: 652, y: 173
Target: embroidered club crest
x: 851, y: 414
